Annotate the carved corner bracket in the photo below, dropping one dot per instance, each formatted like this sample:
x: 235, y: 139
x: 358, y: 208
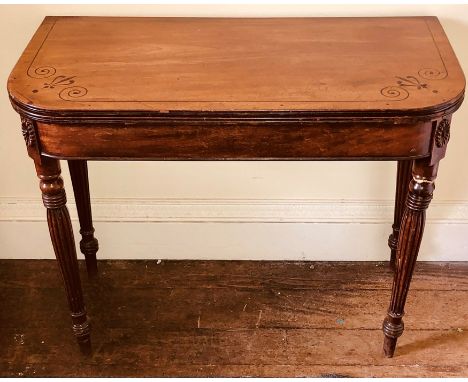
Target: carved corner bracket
x: 440, y: 138
x: 29, y: 131
x: 442, y: 133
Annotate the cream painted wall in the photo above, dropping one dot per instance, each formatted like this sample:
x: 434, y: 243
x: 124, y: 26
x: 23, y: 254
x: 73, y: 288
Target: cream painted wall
x: 209, y: 181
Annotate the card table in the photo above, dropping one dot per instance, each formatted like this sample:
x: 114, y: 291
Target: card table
x: 295, y: 89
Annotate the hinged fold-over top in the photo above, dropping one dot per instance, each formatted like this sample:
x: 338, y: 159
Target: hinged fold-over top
x: 100, y: 67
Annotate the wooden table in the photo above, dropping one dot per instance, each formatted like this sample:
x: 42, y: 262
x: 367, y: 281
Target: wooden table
x: 92, y: 88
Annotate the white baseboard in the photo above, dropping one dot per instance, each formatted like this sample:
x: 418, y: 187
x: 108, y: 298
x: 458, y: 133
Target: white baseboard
x: 235, y: 210
x: 217, y: 229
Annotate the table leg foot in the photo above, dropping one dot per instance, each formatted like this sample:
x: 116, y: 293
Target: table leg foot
x: 81, y: 330
x: 393, y: 328
x: 85, y: 347
x: 389, y: 346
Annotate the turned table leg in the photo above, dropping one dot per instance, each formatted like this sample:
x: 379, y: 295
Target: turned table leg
x: 60, y: 228
x: 419, y: 196
x: 403, y: 178
x: 88, y: 244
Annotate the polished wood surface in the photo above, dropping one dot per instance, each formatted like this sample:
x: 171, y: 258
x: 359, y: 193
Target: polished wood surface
x: 237, y: 89
x: 239, y: 140
x: 165, y: 65
x: 404, y: 176
x: 61, y: 233
x: 201, y: 318
x: 89, y: 244
x: 421, y: 188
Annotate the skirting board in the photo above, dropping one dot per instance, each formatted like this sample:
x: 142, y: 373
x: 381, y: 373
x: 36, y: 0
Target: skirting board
x: 237, y: 229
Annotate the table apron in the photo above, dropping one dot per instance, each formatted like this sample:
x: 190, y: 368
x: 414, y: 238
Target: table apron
x: 237, y: 141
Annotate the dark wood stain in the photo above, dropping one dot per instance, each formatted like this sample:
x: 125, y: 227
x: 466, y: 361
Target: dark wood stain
x: 88, y: 244
x: 236, y: 89
x: 241, y: 141
x: 258, y: 65
x: 201, y: 318
x: 404, y: 176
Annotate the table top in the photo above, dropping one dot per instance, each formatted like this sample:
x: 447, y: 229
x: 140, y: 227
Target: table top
x: 111, y: 65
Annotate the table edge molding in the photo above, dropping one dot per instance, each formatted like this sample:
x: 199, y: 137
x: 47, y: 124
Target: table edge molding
x: 139, y: 116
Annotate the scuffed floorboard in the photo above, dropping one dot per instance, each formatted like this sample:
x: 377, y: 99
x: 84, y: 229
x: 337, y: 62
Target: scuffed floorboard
x: 233, y: 318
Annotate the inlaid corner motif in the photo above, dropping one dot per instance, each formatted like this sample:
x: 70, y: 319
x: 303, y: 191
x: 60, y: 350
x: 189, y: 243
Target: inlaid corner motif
x: 405, y: 84
x: 29, y: 133
x: 68, y: 90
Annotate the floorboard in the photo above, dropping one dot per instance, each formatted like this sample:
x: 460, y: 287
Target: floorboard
x: 233, y: 318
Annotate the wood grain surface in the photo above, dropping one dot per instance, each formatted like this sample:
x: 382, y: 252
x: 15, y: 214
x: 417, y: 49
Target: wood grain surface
x: 237, y: 141
x: 160, y: 65
x: 234, y: 318
x: 235, y: 89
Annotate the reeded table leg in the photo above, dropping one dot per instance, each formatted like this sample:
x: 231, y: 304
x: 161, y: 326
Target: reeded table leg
x: 88, y: 244
x: 420, y: 192
x: 403, y: 178
x: 60, y: 228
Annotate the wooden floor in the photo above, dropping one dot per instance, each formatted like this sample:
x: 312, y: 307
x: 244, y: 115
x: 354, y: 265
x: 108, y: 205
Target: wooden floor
x: 223, y: 318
